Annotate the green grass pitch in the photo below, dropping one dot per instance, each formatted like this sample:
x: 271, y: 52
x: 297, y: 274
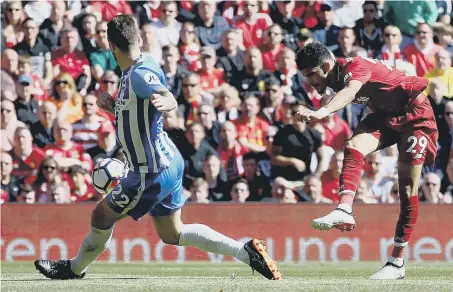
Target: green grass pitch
x: 154, y: 276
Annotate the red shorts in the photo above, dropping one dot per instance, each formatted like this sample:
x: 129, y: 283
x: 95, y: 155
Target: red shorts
x: 415, y: 133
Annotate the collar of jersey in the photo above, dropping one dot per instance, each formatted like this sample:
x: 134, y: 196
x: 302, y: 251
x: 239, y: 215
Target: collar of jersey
x: 135, y: 63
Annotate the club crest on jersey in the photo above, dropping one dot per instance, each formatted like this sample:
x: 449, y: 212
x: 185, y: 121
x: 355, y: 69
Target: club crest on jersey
x: 361, y: 100
x: 151, y: 78
x: 347, y: 77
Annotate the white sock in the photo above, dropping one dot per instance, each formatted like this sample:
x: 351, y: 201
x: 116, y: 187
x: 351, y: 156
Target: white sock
x: 95, y: 243
x: 345, y: 207
x: 207, y: 239
x: 397, y: 261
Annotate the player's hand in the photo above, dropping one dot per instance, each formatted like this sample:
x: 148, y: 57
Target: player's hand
x: 306, y: 115
x: 106, y: 102
x: 299, y: 165
x: 163, y: 103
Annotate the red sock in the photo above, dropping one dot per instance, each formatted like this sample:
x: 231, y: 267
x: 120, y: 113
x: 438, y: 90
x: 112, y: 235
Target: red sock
x: 350, y: 175
x: 405, y: 225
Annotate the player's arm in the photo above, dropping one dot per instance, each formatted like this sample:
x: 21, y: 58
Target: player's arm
x: 147, y: 85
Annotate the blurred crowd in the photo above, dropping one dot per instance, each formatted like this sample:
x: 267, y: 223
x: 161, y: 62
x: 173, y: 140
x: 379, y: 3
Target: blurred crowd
x: 231, y: 65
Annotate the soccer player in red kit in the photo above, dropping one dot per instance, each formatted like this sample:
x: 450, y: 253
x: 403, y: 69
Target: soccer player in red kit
x: 401, y: 114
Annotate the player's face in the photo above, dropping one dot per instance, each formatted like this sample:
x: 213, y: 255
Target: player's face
x: 317, y: 78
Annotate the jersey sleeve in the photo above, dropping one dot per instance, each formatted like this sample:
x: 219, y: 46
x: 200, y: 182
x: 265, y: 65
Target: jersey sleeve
x: 356, y: 70
x: 145, y: 81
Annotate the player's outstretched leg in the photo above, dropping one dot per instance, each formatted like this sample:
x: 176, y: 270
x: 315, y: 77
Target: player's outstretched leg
x: 95, y: 243
x: 408, y: 179
x: 354, y: 154
x: 172, y: 231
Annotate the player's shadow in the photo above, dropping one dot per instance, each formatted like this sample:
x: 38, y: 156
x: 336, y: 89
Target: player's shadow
x: 90, y: 278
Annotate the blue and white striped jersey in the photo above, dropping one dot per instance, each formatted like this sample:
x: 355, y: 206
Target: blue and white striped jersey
x: 139, y: 125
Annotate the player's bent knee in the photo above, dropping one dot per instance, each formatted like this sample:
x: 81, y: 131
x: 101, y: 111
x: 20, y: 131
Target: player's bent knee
x: 100, y: 217
x: 170, y: 238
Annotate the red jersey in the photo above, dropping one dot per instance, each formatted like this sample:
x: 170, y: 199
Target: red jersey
x: 385, y: 89
x: 270, y: 60
x: 423, y: 61
x: 337, y: 136
x: 253, y: 32
x: 255, y: 133
x: 71, y: 63
x: 109, y: 10
x: 27, y: 167
x: 76, y: 151
x: 232, y: 160
x: 211, y: 80
x: 330, y: 185
x: 89, y: 194
x: 39, y: 88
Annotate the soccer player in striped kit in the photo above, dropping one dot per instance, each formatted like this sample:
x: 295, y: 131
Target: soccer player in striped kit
x: 154, y: 182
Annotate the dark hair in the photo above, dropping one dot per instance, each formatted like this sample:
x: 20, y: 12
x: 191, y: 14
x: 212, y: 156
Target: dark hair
x: 272, y: 81
x: 312, y: 55
x: 249, y: 156
x: 374, y: 3
x: 76, y: 169
x: 167, y: 48
x: 122, y: 31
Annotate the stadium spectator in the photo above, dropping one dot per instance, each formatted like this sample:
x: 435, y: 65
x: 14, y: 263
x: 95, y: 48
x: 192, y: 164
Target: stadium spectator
x: 240, y: 192
x: 10, y: 183
x: 422, y: 52
x: 10, y: 63
x: 445, y: 37
x: 348, y: 13
x: 250, y: 127
x: 67, y: 152
x: 250, y: 81
x: 390, y: 161
x: 330, y: 178
x: 346, y: 40
x: 66, y: 98
x: 216, y: 178
x: 258, y: 183
x: 442, y: 70
x: 290, y: 25
x: 81, y: 190
x: 102, y: 59
x: 282, y: 192
x: 437, y: 98
x: 174, y: 125
x: 27, y: 195
x: 43, y: 129
x: 26, y: 157
x: 431, y: 190
x: 336, y: 130
x: 379, y: 185
x: 111, y: 8
x: 88, y: 33
x: 84, y: 130
x: 369, y: 29
x: 210, y: 76
x: 394, y: 197
x: 407, y: 15
x: 174, y: 73
x: 193, y: 97
x: 39, y: 89
x: 312, y: 191
x: 199, y: 191
x: 9, y: 124
x: 51, y: 27
x: 229, y: 104
x: 211, y: 125
x: 50, y: 185
x: 189, y: 46
x: 445, y: 151
x: 108, y: 84
x: 33, y: 46
x: 148, y: 12
x: 69, y: 59
x: 363, y: 194
x: 231, y: 151
x: 14, y: 16
x: 194, y: 150
x: 326, y: 32
x: 26, y: 106
x: 252, y: 24
x: 231, y: 56
x: 304, y: 38
x: 106, y: 143
x: 209, y: 26
x: 272, y: 47
x: 273, y: 97
x: 38, y: 10
x: 167, y: 28
x: 150, y: 45
x: 293, y: 147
